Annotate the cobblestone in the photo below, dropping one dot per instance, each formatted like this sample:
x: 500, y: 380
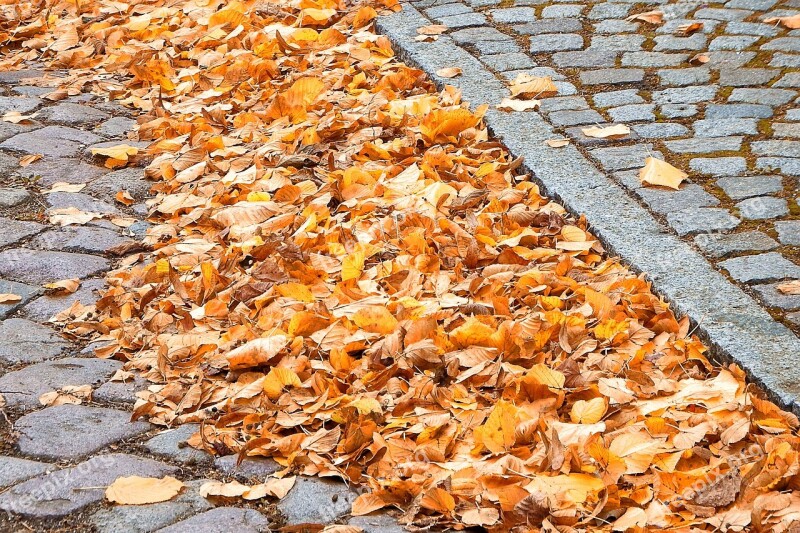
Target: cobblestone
x: 727, y: 111
x: 773, y: 97
x: 788, y: 232
x: 555, y: 42
x: 739, y: 188
x: 770, y: 266
x: 222, y: 520
x: 12, y: 197
x: 773, y: 297
x: 721, y: 244
x: 702, y: 220
x: 14, y: 470
x: 611, y: 76
x: 38, y: 267
x: 704, y: 145
x: 251, y: 468
x: 314, y: 500
x: 13, y: 231
x: 718, y: 166
x: 24, y: 341
x: 762, y: 207
x: 172, y: 445
x: 25, y: 292
x: 48, y: 305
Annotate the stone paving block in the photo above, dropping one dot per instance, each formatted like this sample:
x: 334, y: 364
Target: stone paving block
x: 14, y: 470
x: 678, y: 110
x: 562, y: 11
x: 672, y: 42
x: 668, y: 201
x: 536, y: 72
x: 52, y: 170
x: 25, y: 292
x: 761, y: 5
x: 624, y: 157
x: 783, y: 44
x: 505, y: 62
x: 20, y: 104
x: 632, y: 113
x: 616, y: 26
x: 704, y: 145
x: 171, y: 444
x: 473, y: 35
x: 744, y: 77
x: 550, y: 26
x: 377, y: 523
x: 81, y: 201
x: 617, y: 98
x: 68, y: 432
x: 611, y: 76
x: 24, y: 341
x: 776, y: 148
x: 69, y: 490
x: 316, y: 500
x: 38, y: 267
x: 724, y: 111
x: 721, y: 244
x: 786, y: 129
x: 786, y: 165
x: 513, y: 15
x: 115, y: 127
x: 496, y: 47
x: 617, y: 43
x: 555, y: 42
x: 770, y: 266
x: 120, y: 392
x: 22, y: 388
x: 147, y: 518
x: 660, y: 130
x: 772, y: 297
x: 762, y: 207
x: 788, y: 232
x: 563, y: 103
x: 12, y: 231
x: 733, y: 42
x: 790, y: 79
x: 729, y: 59
x: 773, y: 97
x: 575, y: 118
x: 741, y: 187
x: 72, y: 114
x: 584, y: 59
x: 785, y: 60
x: 83, y: 239
x: 751, y: 28
x: 222, y: 520
x: 576, y: 133
x: 251, y: 468
x: 722, y: 14
x: 725, y: 126
x: 685, y: 95
x: 684, y: 76
x: 609, y: 10
x: 653, y: 59
x: 718, y: 166
x: 11, y: 197
x: 127, y: 179
x: 701, y: 220
x: 463, y: 21
x: 672, y: 26
x: 48, y: 305
x: 51, y: 141
x: 446, y: 10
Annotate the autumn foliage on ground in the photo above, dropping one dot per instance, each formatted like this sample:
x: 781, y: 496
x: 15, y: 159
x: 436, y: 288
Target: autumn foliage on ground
x: 348, y: 275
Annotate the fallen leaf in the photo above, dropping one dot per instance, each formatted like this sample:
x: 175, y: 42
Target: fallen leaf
x: 650, y: 17
x: 792, y: 22
x: 7, y: 298
x: 484, y: 516
x: 699, y: 59
x: 658, y: 172
x: 449, y: 72
x: 557, y: 143
x: 70, y: 394
x: 15, y: 117
x: 61, y: 186
x: 688, y: 29
x: 135, y: 490
x: 432, y: 29
x: 529, y: 87
x: 66, y: 286
x: 616, y: 131
x: 508, y: 104
x: 28, y: 159
x: 790, y: 287
x: 124, y: 197
x: 72, y: 215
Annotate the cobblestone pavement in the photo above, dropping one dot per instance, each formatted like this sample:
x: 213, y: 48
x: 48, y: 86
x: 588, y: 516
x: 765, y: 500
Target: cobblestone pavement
x: 55, y: 462
x: 731, y: 123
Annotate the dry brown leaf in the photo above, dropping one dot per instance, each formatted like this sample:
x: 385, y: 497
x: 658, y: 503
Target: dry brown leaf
x: 8, y: 298
x: 650, y: 17
x: 15, y: 117
x: 65, y: 286
x: 699, y: 59
x: 509, y: 104
x: 658, y: 172
x: 792, y: 22
x: 432, y: 29
x: 557, y: 143
x: 135, y: 490
x: 72, y: 215
x: 62, y: 186
x: 28, y: 159
x: 529, y: 87
x: 616, y: 131
x: 688, y: 29
x: 70, y: 394
x: 449, y: 72
x: 790, y: 287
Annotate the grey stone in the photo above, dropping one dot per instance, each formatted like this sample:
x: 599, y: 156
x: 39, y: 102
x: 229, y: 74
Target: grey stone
x: 12, y: 231
x: 447, y: 10
x: 761, y: 5
x: 725, y: 126
x: 721, y: 244
x: 121, y: 392
x: 671, y: 42
x: 116, y: 127
x: 483, y: 3
x: 22, y: 388
x: 536, y: 72
x: 785, y: 60
x: 788, y: 232
x: 786, y: 165
x: 751, y: 28
x: 701, y: 220
x: 14, y: 470
x: 701, y: 145
x: 81, y: 201
x: 28, y: 342
x: 652, y: 59
x: 733, y: 42
x: 723, y: 111
x: 563, y: 103
x: 562, y: 11
x: 611, y: 76
x: 776, y: 148
x: 632, y: 113
x: 50, y: 171
x: 49, y: 305
x: 729, y: 59
x: 127, y: 179
x: 20, y: 104
x: 623, y: 157
x: 250, y: 469
x: 222, y: 520
x: 496, y: 47
x: 684, y: 76
x: 473, y: 35
x: 770, y: 266
x: 38, y: 267
x: 12, y: 197
x: 550, y: 26
x: 786, y: 129
x: 15, y: 76
x: 463, y: 20
x: 84, y: 239
x: 147, y: 518
x: 609, y: 10
x: 762, y: 96
x: 615, y: 26
x: 51, y: 141
x: 314, y: 500
x: 685, y: 95
x: 678, y: 110
x: 743, y: 77
x: 172, y: 445
x: 25, y: 292
x: 514, y: 15
x: 69, y: 490
x: 73, y: 431
x: 565, y: 88
x: 617, y: 98
x: 718, y: 166
x: 576, y: 133
x: 575, y: 118
x: 722, y: 14
x: 672, y: 26
x: 377, y: 523
x: 790, y: 79
x: 660, y: 130
x: 773, y: 297
x: 762, y: 207
x: 617, y: 43
x: 505, y: 62
x: 783, y: 44
x: 553, y: 42
x: 73, y: 114
x: 583, y: 59
x: 668, y: 201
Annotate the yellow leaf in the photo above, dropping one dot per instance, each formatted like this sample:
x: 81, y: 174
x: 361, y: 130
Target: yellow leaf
x: 256, y: 352
x: 64, y: 286
x: 438, y: 500
x: 277, y: 379
x: 509, y: 104
x: 634, y: 517
x: 617, y: 131
x: 527, y: 86
x: 545, y: 375
x: 7, y: 298
x: 658, y: 172
x: 120, y: 152
x: 498, y: 433
x: 375, y: 319
x: 352, y: 265
x: 584, y: 412
x: 449, y: 72
x: 135, y: 490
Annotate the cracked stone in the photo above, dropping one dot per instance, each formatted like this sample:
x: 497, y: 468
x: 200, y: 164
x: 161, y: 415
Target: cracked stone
x: 12, y: 231
x: 172, y: 445
x: 721, y: 244
x: 315, y: 500
x: 701, y: 220
x: 49, y: 305
x: 51, y: 141
x: 25, y: 341
x: 22, y: 388
x: 12, y: 197
x: 72, y: 114
x: 38, y: 267
x: 251, y: 468
x: 762, y: 207
x: 26, y: 292
x: 14, y: 470
x: 66, y: 491
x: 718, y: 166
x: 788, y: 232
x: 770, y: 266
x: 222, y: 520
x: 68, y: 432
x: 772, y: 297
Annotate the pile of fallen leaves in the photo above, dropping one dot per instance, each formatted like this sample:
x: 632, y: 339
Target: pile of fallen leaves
x: 350, y: 277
